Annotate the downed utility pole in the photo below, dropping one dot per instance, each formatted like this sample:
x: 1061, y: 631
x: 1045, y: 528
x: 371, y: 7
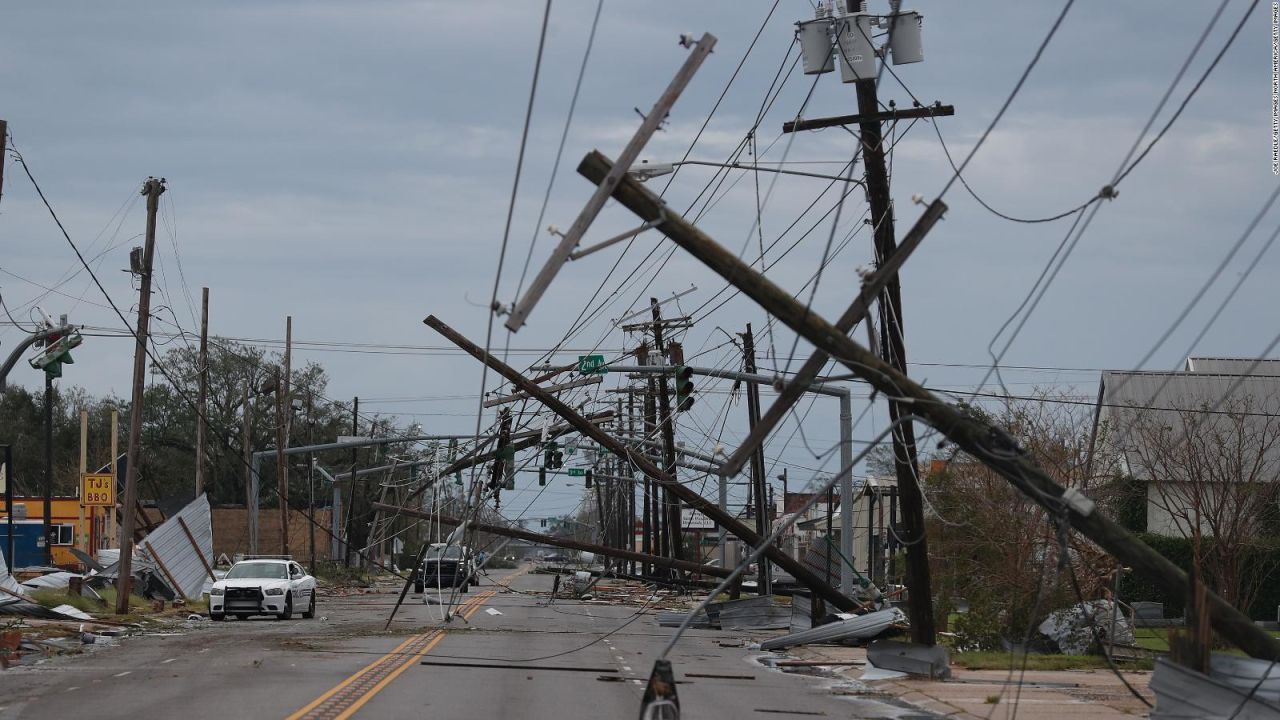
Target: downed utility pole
x: 794, y: 389
x: 569, y: 241
x: 989, y: 444
x: 796, y: 569
x: 152, y: 189
x: 567, y: 543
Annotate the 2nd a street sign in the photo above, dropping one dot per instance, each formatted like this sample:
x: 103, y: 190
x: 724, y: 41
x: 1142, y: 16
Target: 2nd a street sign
x: 98, y: 490
x: 577, y: 472
x: 592, y: 365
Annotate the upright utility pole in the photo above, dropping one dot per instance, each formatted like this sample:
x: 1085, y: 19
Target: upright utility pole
x: 48, y: 469
x: 115, y: 477
x: 202, y: 400
x: 284, y: 411
x: 653, y: 522
x: 82, y: 540
x: 151, y: 189
x: 311, y: 480
x: 893, y: 350
x: 246, y: 449
x: 670, y: 505
x: 757, y: 457
x: 8, y: 504
x: 351, y: 491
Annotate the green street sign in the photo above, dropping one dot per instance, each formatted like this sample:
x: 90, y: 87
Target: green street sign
x: 592, y: 365
x: 577, y: 472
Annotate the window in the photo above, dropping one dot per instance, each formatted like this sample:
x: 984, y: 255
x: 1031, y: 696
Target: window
x: 63, y: 534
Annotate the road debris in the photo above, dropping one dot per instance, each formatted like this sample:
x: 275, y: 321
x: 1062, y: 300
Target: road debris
x: 928, y: 660
x: 1083, y: 628
x: 1184, y: 693
x: 858, y: 627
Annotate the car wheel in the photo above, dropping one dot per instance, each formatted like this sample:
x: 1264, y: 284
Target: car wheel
x: 287, y: 612
x: 310, y: 612
x: 217, y: 617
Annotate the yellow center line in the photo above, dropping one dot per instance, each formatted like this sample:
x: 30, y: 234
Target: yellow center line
x: 338, y: 698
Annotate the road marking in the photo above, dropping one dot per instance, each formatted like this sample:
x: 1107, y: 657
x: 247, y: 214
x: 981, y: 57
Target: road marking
x: 627, y: 668
x: 348, y: 696
x: 126, y: 672
x: 166, y: 662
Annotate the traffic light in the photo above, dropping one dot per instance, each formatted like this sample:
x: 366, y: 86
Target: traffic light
x: 542, y: 476
x: 684, y: 388
x: 57, y: 352
x: 589, y: 479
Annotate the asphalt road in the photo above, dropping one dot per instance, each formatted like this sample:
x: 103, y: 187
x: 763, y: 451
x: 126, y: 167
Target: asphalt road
x: 577, y: 660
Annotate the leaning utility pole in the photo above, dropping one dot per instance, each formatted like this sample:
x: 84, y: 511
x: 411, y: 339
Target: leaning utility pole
x: 670, y: 505
x: 989, y: 444
x: 202, y: 400
x: 757, y: 457
x: 661, y: 478
x: 151, y: 189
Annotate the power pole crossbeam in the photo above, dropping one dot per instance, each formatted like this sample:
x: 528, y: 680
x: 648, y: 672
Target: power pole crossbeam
x: 987, y: 443
x: 928, y: 111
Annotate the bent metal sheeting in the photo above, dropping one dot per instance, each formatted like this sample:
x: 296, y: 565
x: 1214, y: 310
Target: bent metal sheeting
x: 182, y: 548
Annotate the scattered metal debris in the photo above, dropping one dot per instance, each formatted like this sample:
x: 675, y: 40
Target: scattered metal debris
x: 757, y: 613
x: 1081, y: 629
x: 928, y: 660
x: 860, y: 627
x: 1184, y: 693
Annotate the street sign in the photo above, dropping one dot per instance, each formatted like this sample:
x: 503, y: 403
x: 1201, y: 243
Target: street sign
x: 577, y: 472
x: 98, y: 490
x: 592, y: 365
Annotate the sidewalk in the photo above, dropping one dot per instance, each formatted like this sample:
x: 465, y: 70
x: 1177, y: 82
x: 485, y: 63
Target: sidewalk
x: 991, y: 694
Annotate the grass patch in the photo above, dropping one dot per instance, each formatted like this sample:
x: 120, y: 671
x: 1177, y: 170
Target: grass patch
x: 1004, y: 660
x: 53, y: 598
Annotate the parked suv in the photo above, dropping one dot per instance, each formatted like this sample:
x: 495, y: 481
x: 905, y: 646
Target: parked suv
x: 445, y: 566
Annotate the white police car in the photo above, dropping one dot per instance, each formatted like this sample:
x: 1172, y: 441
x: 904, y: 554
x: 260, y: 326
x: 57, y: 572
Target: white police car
x: 263, y: 586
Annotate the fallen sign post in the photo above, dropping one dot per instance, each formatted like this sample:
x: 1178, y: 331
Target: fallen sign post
x: 695, y: 501
x: 987, y: 443
x: 569, y: 241
x: 566, y: 543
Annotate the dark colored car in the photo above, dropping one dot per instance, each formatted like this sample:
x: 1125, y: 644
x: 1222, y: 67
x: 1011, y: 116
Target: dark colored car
x: 445, y: 567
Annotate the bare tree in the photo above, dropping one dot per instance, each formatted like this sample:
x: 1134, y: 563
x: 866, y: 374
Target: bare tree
x: 997, y: 548
x: 1213, y: 475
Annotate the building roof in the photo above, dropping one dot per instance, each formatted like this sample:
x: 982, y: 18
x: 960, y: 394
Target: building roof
x: 1209, y: 392
x: 1268, y: 367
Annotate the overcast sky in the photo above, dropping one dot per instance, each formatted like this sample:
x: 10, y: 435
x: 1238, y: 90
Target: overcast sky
x: 350, y: 164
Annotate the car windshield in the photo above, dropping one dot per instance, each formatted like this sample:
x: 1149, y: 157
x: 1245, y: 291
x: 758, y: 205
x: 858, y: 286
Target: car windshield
x: 267, y: 571
x: 453, y: 552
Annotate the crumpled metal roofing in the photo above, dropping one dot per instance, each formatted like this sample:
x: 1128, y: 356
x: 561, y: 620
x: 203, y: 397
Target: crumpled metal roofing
x: 178, y: 560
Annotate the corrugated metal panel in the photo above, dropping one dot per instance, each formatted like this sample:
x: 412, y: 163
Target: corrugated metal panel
x: 178, y: 559
x: 1233, y: 366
